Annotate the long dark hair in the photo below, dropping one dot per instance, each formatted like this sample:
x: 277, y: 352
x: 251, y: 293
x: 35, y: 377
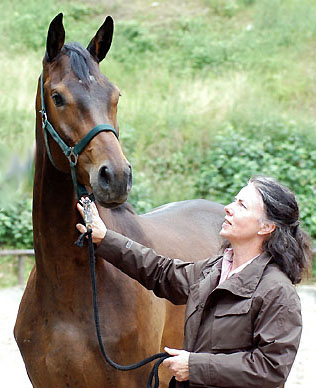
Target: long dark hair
x: 289, y: 245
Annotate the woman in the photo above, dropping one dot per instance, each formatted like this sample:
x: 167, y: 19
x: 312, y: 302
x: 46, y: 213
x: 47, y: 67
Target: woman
x: 243, y: 315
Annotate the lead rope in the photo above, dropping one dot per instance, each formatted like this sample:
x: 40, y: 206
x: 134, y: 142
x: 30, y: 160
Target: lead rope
x: 153, y: 376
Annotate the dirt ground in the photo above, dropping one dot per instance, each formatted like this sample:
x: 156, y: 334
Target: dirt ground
x: 13, y: 374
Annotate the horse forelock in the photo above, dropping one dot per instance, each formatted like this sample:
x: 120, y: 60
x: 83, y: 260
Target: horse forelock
x: 80, y: 62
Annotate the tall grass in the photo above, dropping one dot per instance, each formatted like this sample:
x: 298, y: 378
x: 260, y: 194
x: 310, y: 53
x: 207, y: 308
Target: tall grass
x: 186, y: 69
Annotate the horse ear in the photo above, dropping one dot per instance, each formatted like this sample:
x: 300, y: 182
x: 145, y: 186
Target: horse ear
x: 55, y: 37
x: 101, y: 42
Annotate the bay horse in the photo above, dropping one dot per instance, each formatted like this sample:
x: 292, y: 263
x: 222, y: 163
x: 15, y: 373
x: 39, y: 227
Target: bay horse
x: 55, y: 328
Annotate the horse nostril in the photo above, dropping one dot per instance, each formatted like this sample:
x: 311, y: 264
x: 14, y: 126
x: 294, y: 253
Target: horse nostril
x: 104, y: 176
x: 113, y: 181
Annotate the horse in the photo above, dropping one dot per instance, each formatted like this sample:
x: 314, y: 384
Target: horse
x: 55, y: 329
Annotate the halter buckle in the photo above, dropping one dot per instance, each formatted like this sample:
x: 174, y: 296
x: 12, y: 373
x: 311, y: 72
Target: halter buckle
x: 72, y: 157
x: 87, y: 212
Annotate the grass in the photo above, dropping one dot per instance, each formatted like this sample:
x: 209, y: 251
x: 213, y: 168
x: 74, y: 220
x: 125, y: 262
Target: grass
x: 9, y: 270
x: 186, y: 69
x: 219, y: 51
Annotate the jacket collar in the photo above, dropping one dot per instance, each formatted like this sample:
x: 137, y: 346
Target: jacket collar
x: 245, y: 282
x: 211, y: 278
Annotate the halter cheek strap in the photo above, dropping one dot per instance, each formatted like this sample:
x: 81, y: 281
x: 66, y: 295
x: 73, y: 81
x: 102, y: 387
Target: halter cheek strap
x: 72, y: 153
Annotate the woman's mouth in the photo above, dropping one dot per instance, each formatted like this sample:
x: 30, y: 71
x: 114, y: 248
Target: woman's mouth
x: 226, y: 222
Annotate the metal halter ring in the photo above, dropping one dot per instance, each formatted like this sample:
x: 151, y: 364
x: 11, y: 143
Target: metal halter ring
x: 72, y: 157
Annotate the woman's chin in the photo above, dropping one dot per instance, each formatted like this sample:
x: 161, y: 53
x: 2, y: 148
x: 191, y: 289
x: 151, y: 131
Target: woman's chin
x: 224, y: 233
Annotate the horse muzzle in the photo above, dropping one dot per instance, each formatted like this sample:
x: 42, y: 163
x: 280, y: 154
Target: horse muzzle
x: 111, y: 184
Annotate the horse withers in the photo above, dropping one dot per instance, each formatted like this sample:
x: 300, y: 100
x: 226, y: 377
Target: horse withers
x: 55, y: 328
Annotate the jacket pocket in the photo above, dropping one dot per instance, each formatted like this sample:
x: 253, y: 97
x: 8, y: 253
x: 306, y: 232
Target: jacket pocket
x: 232, y: 326
x: 235, y: 308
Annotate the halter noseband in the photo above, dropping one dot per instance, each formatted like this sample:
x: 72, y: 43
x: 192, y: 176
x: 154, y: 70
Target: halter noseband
x: 72, y: 153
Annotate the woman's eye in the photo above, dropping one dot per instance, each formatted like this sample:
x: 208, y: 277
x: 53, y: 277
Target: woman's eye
x: 58, y: 100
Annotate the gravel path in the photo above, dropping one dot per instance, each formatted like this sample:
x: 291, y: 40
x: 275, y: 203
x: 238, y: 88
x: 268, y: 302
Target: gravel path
x: 13, y: 373
x: 302, y: 374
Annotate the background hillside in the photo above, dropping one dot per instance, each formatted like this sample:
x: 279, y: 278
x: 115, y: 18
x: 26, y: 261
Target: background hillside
x: 213, y: 91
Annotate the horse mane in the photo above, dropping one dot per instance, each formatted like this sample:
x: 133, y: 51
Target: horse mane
x: 80, y: 61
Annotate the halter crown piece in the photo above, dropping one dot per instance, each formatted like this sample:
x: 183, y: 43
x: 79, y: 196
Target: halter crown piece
x: 72, y: 153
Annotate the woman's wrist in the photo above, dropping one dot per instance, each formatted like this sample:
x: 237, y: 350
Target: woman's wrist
x: 97, y: 239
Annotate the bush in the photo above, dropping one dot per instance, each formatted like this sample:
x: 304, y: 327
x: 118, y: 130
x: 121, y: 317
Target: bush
x: 141, y: 194
x: 283, y: 153
x: 16, y: 225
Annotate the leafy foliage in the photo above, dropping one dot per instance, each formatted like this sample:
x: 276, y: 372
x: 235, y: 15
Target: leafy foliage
x: 283, y: 153
x: 16, y: 225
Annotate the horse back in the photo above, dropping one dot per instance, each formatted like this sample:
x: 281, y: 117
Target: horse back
x: 188, y: 230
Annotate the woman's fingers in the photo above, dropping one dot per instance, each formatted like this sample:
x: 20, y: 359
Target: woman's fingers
x: 81, y: 228
x: 94, y: 209
x: 178, y: 364
x: 98, y: 227
x: 172, y: 352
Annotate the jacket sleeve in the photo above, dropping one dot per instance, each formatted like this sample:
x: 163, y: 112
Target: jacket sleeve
x: 168, y: 278
x: 277, y: 333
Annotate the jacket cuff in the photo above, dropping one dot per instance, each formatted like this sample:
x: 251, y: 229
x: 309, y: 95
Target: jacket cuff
x: 199, y: 369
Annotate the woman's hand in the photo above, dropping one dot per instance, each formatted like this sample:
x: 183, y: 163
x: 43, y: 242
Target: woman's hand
x: 178, y: 364
x: 98, y: 227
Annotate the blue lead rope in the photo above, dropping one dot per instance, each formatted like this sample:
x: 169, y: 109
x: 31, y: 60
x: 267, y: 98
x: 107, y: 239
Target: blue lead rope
x: 153, y: 376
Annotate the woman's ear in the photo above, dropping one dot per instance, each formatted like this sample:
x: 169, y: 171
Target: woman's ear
x: 267, y: 228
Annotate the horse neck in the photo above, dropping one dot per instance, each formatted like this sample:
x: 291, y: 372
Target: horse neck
x: 53, y: 203
x: 55, y: 214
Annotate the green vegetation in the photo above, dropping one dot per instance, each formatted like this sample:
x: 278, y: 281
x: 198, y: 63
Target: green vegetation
x: 213, y: 91
x: 9, y: 276
x: 16, y: 225
x: 273, y: 150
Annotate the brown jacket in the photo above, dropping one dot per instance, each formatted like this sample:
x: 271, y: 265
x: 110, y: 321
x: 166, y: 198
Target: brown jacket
x: 244, y: 333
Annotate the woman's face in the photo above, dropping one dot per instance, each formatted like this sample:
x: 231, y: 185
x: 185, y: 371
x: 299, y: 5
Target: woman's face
x: 244, y: 217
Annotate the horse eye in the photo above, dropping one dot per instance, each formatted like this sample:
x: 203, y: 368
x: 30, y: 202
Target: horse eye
x: 58, y: 100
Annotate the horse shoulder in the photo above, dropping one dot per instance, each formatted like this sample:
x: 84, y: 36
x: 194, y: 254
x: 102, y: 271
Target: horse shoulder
x: 188, y: 230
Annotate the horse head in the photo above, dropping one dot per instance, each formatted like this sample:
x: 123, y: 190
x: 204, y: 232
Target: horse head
x: 77, y: 98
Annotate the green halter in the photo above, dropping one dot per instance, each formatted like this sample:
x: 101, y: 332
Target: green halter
x: 72, y: 153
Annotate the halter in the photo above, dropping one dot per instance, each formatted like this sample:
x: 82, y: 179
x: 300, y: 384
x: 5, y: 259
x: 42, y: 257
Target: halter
x: 71, y: 153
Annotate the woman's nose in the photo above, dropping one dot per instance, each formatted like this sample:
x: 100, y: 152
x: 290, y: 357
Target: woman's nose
x: 228, y: 210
